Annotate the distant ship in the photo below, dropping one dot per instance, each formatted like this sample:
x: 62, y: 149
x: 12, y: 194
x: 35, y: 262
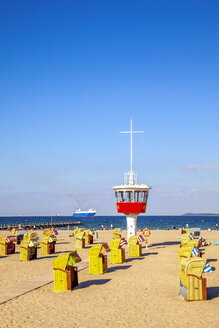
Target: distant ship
x: 89, y: 212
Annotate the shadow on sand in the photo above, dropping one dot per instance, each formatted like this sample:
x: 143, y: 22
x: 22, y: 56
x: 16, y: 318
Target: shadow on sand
x: 90, y: 245
x: 149, y: 253
x: 88, y: 283
x: 212, y: 292
x: 212, y: 260
x: 167, y: 243
x: 129, y: 259
x: 63, y: 252
x: 119, y: 267
x: 46, y: 257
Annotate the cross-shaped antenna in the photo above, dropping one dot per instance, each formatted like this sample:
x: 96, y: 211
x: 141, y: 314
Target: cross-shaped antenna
x: 131, y: 177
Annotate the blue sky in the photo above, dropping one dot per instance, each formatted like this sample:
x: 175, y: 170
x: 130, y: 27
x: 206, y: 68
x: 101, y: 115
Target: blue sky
x: 73, y: 73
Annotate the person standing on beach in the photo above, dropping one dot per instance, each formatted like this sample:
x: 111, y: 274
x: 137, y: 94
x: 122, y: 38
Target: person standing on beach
x: 216, y: 226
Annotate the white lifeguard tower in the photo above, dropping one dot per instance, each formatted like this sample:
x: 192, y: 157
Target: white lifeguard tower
x: 131, y: 198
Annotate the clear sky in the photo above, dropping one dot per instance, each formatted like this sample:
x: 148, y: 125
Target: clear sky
x: 73, y: 73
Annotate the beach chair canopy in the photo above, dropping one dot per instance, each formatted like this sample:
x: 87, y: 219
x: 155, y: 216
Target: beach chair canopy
x: 11, y: 239
x: 13, y: 231
x: 88, y: 232
x: 193, y: 266
x: 133, y: 240
x: 194, y: 242
x: 185, y: 238
x: 99, y: 249
x: 64, y: 260
x: 76, y: 231
x: 47, y: 232
x: 116, y: 231
x: 80, y: 235
x: 30, y: 239
x: 47, y: 239
x: 186, y: 251
x: 115, y: 243
x: 30, y: 235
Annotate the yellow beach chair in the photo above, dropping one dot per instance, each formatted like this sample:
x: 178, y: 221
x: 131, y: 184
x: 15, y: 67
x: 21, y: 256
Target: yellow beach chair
x: 98, y: 258
x: 28, y: 247
x: 80, y: 241
x: 77, y: 230
x: 116, y: 233
x: 89, y: 239
x: 186, y: 251
x: 47, y: 245
x: 193, y: 285
x: 7, y: 245
x: 117, y: 253
x: 186, y: 240
x: 135, y: 249
x: 65, y: 272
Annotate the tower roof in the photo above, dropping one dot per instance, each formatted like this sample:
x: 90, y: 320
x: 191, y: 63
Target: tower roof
x: 135, y: 187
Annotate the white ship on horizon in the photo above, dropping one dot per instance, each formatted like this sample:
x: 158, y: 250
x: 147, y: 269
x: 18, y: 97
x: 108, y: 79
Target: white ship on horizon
x: 90, y: 212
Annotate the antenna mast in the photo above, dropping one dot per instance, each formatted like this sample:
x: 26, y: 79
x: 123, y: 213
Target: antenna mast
x: 131, y: 173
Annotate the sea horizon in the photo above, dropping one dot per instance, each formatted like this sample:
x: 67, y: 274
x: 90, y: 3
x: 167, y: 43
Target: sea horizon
x: 153, y: 222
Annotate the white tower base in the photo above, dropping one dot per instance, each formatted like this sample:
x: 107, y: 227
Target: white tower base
x: 131, y: 225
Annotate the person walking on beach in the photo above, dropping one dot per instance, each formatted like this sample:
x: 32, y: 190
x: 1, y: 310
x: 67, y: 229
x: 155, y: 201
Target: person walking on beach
x: 216, y: 226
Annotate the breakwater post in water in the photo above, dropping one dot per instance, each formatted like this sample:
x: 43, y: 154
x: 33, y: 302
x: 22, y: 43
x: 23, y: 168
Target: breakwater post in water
x: 41, y: 225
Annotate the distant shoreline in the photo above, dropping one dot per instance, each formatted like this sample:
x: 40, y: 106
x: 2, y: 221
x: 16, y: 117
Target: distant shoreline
x: 200, y: 214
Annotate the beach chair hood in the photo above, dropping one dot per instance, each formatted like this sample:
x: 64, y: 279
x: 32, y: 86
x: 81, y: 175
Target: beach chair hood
x: 133, y: 240
x: 193, y: 266
x: 99, y: 249
x: 115, y: 243
x: 64, y: 260
x: 80, y: 235
x: 76, y: 231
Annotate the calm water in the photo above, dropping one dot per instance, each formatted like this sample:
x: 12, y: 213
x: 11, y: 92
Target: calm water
x: 151, y: 222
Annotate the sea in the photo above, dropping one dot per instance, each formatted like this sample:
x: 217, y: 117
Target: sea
x: 150, y: 222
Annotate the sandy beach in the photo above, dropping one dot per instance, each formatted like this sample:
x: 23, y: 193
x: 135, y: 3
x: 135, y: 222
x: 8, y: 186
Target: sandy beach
x: 140, y: 292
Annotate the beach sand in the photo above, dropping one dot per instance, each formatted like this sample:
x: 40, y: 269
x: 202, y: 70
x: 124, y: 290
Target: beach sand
x: 140, y: 292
